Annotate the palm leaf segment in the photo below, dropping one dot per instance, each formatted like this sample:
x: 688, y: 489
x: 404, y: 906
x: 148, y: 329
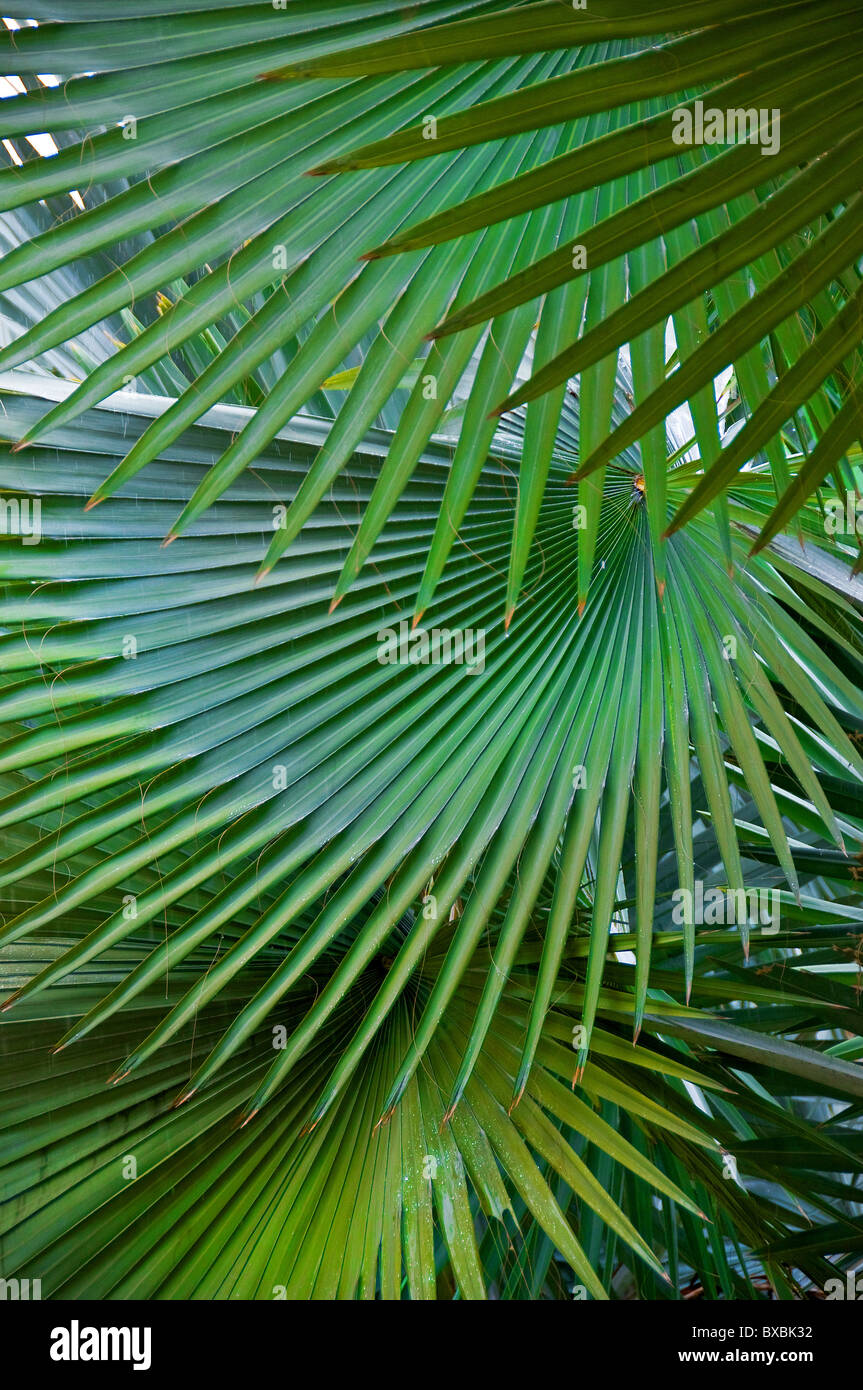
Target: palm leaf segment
x: 485, y: 232
x: 388, y: 863
x: 398, y: 835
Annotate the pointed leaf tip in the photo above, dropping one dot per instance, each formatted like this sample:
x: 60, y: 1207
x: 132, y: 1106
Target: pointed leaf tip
x: 385, y: 1118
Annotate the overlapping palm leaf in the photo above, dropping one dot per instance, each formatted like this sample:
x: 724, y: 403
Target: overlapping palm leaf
x: 242, y: 816
x: 485, y: 227
x: 224, y: 815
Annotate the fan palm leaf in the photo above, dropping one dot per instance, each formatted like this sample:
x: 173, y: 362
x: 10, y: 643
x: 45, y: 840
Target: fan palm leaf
x: 363, y: 938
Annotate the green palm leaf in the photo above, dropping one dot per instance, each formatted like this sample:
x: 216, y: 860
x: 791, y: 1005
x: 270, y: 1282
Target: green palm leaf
x: 363, y: 938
